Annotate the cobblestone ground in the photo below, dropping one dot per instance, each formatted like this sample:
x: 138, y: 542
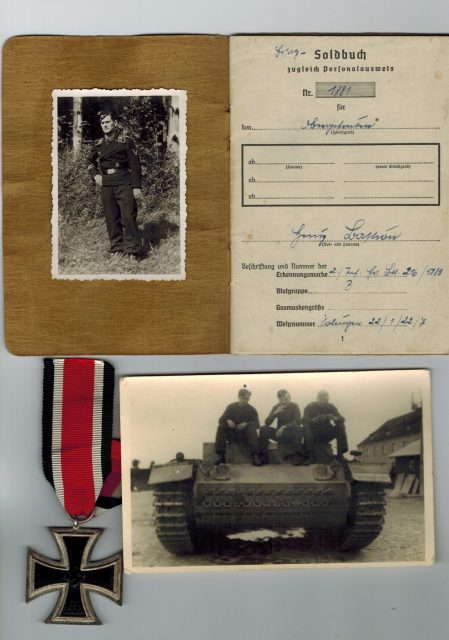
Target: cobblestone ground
x: 401, y: 540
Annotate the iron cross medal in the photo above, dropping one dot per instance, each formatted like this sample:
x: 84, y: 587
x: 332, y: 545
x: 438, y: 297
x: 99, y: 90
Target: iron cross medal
x: 74, y: 576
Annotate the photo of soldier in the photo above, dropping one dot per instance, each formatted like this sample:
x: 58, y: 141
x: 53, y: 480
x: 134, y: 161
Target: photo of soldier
x: 322, y: 424
x: 288, y: 430
x: 119, y: 186
x: 239, y: 423
x: 114, y: 165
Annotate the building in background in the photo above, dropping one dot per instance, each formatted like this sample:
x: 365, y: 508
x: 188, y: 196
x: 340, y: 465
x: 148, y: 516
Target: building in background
x: 407, y: 470
x: 381, y: 446
x: 397, y: 445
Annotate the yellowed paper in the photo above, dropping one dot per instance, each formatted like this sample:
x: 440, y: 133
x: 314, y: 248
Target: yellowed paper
x: 74, y: 313
x: 339, y: 194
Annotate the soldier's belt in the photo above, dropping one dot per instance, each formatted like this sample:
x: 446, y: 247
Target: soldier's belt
x: 108, y: 172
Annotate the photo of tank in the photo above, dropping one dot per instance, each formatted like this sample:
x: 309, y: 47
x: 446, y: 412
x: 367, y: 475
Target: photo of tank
x: 194, y: 500
x: 284, y: 490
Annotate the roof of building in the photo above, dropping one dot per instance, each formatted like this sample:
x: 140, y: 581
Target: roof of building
x: 411, y: 449
x: 406, y: 424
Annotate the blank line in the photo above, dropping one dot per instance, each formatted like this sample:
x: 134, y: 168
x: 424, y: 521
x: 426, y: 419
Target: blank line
x: 390, y: 162
x: 294, y: 198
x: 389, y: 198
x: 389, y: 180
x: 296, y: 181
x: 353, y: 309
x: 291, y: 162
x: 276, y: 129
x: 404, y: 129
x: 359, y: 293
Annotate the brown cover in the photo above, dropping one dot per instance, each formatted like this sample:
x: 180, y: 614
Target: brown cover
x: 46, y: 316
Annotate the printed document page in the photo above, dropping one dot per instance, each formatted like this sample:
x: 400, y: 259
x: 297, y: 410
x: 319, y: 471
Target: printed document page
x: 339, y: 194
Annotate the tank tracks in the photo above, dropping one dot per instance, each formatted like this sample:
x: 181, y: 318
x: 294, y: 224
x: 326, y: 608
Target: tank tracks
x: 366, y: 518
x: 172, y: 519
x: 175, y: 529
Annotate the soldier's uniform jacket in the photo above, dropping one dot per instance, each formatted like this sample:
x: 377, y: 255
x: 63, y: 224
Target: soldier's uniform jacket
x: 239, y: 413
x: 290, y: 416
x: 116, y: 160
x: 315, y: 414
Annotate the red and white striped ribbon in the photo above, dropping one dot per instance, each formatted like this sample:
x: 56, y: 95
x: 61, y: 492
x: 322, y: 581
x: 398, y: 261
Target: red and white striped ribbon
x: 77, y: 430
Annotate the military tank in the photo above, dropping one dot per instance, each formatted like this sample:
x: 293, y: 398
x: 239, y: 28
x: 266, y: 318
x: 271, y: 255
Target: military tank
x: 342, y: 501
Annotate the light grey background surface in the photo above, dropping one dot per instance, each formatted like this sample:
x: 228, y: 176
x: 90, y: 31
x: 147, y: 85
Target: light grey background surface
x: 323, y: 604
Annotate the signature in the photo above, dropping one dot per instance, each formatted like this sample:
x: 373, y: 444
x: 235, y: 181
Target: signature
x: 345, y: 321
x: 354, y: 233
x: 328, y: 127
x: 282, y: 51
x: 300, y: 234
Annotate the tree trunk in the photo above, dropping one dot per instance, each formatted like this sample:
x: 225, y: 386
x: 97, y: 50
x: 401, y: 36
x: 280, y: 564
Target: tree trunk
x: 77, y: 126
x: 173, y: 126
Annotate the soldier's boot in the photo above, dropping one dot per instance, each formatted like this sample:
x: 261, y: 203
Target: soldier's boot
x: 257, y: 460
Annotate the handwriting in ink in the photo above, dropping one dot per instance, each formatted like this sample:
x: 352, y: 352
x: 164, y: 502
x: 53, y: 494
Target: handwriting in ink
x: 345, y: 321
x: 282, y: 51
x: 300, y: 234
x: 410, y: 271
x: 340, y: 90
x: 393, y: 322
x: 328, y: 127
x: 391, y: 270
x: 354, y: 232
x: 388, y: 271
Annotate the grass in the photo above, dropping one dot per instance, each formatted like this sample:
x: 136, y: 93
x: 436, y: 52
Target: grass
x: 83, y: 240
x: 84, y: 246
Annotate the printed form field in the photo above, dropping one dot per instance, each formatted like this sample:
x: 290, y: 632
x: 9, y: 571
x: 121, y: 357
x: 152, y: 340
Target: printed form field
x: 295, y: 175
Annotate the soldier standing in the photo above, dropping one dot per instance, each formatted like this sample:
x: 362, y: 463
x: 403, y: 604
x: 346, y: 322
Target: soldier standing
x: 114, y: 165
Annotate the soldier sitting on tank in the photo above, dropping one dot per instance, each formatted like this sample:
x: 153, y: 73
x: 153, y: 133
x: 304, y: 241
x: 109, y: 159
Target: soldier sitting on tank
x: 288, y: 429
x: 239, y: 423
x: 322, y: 423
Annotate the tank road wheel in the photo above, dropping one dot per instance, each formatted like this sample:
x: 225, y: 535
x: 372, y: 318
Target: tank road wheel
x: 366, y: 517
x: 173, y: 518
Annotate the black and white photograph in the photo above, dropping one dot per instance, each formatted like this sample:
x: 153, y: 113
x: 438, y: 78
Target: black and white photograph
x: 119, y: 181
x: 276, y: 470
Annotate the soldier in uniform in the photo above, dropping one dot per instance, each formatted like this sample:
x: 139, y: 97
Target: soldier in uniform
x: 114, y: 165
x: 288, y: 429
x: 239, y: 423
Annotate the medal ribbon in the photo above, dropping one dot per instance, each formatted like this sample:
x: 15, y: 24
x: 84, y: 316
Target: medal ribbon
x: 77, y: 431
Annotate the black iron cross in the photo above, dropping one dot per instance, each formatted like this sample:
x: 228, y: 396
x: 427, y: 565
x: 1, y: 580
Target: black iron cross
x: 74, y: 576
